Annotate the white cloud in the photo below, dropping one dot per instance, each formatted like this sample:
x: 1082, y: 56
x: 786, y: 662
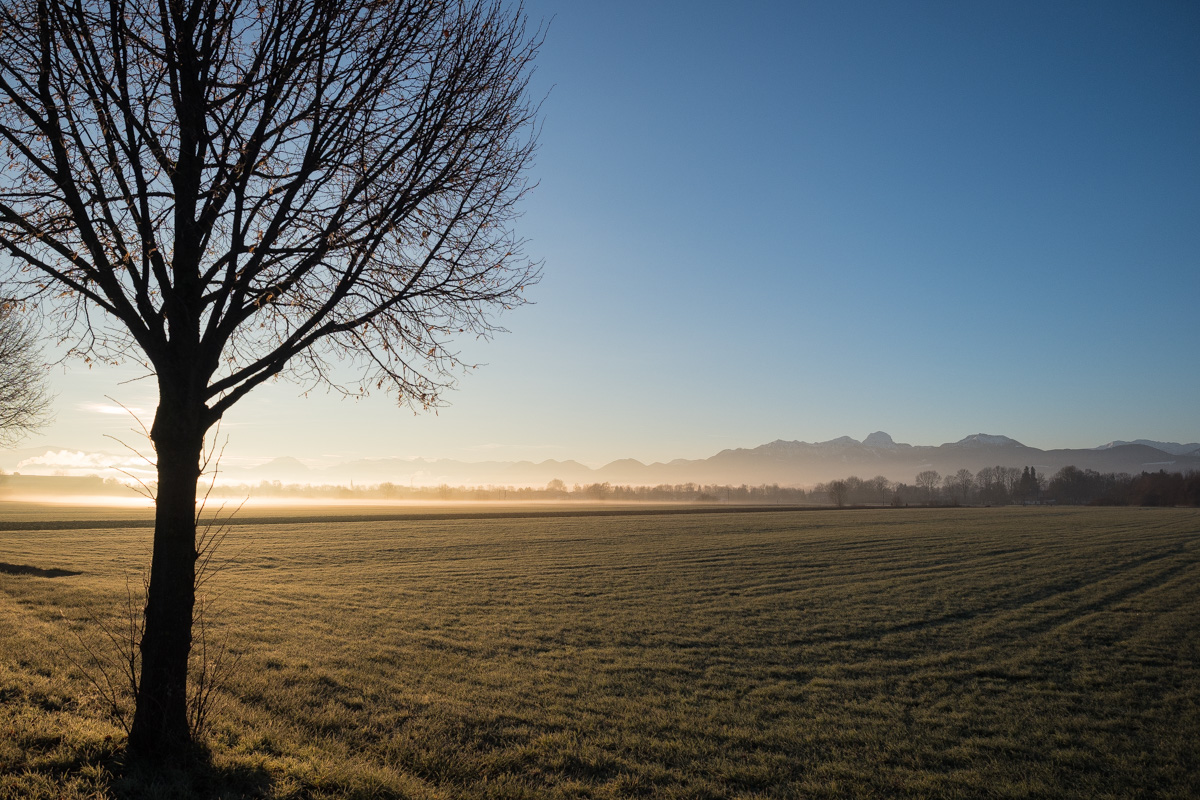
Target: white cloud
x: 79, y: 463
x: 111, y: 408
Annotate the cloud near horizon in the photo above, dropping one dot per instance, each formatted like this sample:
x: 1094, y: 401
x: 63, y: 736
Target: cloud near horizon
x: 76, y: 463
x: 111, y: 408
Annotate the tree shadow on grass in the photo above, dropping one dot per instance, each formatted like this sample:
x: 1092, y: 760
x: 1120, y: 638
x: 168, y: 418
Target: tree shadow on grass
x: 197, y: 778
x: 193, y: 777
x: 100, y: 769
x: 24, y: 569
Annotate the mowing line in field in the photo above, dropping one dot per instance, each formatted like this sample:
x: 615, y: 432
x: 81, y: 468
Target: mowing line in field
x: 326, y: 519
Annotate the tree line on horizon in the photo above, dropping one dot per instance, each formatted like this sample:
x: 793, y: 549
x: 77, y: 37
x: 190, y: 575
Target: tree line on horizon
x: 1010, y: 485
x: 989, y: 486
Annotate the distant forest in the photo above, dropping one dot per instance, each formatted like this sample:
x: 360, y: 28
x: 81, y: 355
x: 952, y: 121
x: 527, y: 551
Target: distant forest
x: 1010, y: 485
x: 989, y: 486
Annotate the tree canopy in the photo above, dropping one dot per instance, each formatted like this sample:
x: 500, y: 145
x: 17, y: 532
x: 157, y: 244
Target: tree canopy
x: 266, y: 186
x: 23, y: 396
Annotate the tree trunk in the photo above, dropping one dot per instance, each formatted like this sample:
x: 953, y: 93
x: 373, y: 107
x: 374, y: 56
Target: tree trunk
x: 160, y: 724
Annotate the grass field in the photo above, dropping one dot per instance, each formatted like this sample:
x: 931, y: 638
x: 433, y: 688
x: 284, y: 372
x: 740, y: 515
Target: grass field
x: 898, y: 653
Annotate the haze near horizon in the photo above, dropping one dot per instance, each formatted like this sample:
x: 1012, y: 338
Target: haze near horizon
x: 804, y: 223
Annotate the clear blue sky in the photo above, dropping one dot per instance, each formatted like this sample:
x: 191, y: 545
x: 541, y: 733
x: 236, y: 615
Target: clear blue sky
x: 804, y: 220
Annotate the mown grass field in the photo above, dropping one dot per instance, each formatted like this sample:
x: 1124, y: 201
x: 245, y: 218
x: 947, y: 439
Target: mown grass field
x: 896, y: 653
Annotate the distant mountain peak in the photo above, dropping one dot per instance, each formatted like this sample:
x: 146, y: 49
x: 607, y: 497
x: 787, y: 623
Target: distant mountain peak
x: 1174, y: 448
x: 880, y: 440
x: 843, y: 440
x: 283, y: 462
x: 986, y: 440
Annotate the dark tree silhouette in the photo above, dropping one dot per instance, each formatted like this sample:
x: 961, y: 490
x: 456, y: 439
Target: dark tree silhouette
x: 962, y: 483
x: 227, y: 190
x: 928, y: 482
x: 879, y: 487
x: 23, y: 396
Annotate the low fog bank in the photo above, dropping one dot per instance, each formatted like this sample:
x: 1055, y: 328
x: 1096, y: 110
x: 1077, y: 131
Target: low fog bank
x: 786, y: 464
x: 64, y: 488
x: 93, y: 489
x: 96, y: 490
x: 989, y: 486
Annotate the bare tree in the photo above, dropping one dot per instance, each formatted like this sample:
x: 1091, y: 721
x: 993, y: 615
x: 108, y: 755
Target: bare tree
x: 228, y: 190
x: 854, y: 489
x: 879, y: 486
x: 988, y: 484
x: 928, y: 482
x: 600, y: 491
x: 23, y: 396
x: 1011, y: 478
x: 837, y: 491
x: 959, y: 485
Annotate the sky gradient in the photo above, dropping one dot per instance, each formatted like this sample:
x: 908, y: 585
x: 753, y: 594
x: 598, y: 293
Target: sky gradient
x: 805, y: 220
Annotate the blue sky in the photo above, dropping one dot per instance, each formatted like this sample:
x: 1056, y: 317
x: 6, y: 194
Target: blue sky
x: 804, y: 220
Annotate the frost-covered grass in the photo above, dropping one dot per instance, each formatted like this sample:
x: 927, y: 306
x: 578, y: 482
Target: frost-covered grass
x: 903, y: 653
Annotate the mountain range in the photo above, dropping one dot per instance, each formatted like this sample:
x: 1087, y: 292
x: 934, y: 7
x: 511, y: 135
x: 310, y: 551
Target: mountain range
x: 780, y: 462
